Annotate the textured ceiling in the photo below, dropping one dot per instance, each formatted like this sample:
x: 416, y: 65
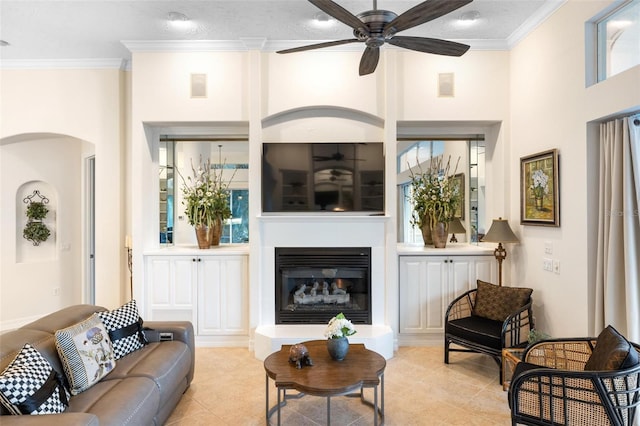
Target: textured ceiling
x: 95, y: 29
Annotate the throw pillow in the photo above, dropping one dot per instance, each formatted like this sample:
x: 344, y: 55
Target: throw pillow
x: 29, y: 385
x: 125, y: 328
x: 86, y: 353
x: 612, y: 352
x: 497, y: 303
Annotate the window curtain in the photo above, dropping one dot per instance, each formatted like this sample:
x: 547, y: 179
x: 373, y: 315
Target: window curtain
x: 618, y: 263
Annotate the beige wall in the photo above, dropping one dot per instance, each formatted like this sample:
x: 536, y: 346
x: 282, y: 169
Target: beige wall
x: 550, y: 108
x: 72, y: 105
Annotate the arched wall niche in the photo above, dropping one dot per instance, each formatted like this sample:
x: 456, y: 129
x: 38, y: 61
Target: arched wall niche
x: 52, y: 273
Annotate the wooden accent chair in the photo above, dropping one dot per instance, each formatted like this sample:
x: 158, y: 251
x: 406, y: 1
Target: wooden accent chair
x: 579, y: 381
x: 488, y: 319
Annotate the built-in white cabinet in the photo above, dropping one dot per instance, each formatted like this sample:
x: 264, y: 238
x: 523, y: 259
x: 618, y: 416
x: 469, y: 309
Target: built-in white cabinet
x: 428, y: 283
x: 223, y: 296
x: 211, y: 291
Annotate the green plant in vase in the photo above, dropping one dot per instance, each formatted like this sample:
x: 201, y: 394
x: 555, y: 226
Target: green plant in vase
x: 206, y: 201
x: 435, y: 196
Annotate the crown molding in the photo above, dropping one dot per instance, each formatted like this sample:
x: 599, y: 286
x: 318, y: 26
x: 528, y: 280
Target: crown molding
x: 186, y: 45
x: 104, y: 63
x: 541, y: 15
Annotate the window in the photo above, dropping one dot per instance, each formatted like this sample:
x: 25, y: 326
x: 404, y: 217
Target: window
x: 236, y: 229
x: 618, y: 40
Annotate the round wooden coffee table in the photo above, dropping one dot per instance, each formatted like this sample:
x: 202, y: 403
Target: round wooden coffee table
x: 360, y: 369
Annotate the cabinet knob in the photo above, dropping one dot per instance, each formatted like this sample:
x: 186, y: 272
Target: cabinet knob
x: 199, y: 259
x: 193, y: 260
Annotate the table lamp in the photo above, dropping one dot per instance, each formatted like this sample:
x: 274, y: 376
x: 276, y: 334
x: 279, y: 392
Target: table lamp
x: 500, y: 232
x: 455, y: 226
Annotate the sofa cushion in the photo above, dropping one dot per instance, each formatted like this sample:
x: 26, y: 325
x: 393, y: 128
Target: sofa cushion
x: 497, y: 303
x: 166, y: 363
x: 612, y: 352
x: 130, y: 401
x: 86, y: 353
x: 125, y: 328
x: 29, y: 385
x: 477, y: 329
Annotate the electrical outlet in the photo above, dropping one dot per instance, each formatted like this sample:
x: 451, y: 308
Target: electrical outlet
x: 548, y: 248
x: 56, y: 291
x: 547, y: 264
x: 556, y: 266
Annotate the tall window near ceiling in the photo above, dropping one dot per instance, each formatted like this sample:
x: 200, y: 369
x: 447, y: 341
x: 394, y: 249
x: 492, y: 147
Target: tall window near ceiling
x: 617, y: 300
x: 618, y: 36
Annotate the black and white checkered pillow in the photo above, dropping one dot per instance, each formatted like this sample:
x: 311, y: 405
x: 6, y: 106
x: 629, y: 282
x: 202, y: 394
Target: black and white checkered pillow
x: 125, y: 328
x: 29, y: 385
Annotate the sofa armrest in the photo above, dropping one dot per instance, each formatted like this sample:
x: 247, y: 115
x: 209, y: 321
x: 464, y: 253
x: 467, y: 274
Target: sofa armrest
x: 67, y: 419
x: 156, y: 331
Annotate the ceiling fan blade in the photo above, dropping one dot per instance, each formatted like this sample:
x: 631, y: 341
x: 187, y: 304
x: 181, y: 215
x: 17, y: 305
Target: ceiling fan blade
x: 430, y: 45
x: 369, y: 60
x: 318, y: 45
x: 341, y: 14
x: 423, y: 12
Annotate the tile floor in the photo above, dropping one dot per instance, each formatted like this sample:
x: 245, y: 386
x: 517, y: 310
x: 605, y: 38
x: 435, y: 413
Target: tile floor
x: 229, y: 389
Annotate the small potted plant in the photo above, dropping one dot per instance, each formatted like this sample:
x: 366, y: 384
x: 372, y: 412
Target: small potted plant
x: 35, y: 230
x: 338, y: 329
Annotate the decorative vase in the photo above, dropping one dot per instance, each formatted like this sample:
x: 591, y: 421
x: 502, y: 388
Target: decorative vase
x: 539, y: 203
x: 203, y: 235
x: 215, y: 232
x: 439, y: 233
x: 426, y: 233
x: 338, y: 348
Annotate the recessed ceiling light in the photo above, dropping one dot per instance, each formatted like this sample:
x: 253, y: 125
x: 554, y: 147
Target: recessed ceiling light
x: 322, y: 20
x: 178, y: 20
x: 468, y: 18
x: 4, y: 43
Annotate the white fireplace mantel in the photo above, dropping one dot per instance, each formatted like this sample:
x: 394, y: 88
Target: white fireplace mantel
x: 321, y: 230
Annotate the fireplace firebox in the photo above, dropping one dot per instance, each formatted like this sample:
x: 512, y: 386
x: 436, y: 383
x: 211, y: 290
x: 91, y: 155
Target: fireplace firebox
x: 313, y: 284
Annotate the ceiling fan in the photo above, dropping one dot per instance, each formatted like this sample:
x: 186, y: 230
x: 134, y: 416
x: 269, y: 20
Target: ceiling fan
x: 377, y: 27
x: 335, y: 156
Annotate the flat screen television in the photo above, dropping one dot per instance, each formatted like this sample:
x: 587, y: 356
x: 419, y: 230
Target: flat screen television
x: 323, y: 177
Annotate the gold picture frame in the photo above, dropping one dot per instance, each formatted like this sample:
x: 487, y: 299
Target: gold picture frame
x: 539, y: 189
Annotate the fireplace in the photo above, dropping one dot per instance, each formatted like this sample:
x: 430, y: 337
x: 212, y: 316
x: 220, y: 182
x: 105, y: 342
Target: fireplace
x: 313, y: 284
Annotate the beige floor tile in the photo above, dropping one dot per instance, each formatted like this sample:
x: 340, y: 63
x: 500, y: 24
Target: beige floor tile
x: 229, y: 389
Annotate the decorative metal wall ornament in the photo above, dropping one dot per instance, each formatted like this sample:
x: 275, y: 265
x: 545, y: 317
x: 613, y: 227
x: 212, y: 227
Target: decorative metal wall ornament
x: 35, y: 230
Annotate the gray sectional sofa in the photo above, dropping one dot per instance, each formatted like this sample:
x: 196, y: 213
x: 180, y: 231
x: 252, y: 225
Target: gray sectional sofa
x: 143, y: 388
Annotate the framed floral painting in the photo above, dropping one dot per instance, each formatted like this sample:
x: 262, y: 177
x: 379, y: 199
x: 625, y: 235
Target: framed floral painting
x: 539, y: 194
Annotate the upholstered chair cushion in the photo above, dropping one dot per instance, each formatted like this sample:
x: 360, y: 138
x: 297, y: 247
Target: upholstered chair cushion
x: 612, y: 352
x: 497, y: 303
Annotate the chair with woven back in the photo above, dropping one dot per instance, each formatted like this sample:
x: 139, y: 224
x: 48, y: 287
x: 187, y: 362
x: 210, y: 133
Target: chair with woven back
x: 488, y: 319
x: 578, y: 381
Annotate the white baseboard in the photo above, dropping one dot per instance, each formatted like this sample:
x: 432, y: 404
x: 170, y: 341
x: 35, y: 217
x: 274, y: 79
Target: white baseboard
x: 17, y: 323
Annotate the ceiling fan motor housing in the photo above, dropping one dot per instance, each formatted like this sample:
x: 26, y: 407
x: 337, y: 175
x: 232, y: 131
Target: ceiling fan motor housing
x: 375, y: 21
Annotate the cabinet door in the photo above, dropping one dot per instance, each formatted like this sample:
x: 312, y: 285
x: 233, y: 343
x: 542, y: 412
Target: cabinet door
x: 466, y: 270
x: 171, y: 288
x: 223, y: 295
x: 422, y: 283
